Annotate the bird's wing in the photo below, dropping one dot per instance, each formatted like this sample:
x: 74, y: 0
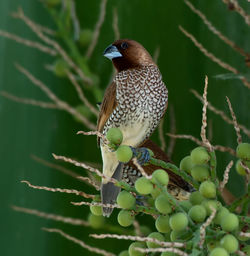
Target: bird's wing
x: 107, y: 107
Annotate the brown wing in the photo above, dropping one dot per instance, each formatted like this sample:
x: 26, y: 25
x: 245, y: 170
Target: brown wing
x: 108, y: 105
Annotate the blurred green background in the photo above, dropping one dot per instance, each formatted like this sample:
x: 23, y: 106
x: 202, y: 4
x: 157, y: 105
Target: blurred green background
x: 27, y: 130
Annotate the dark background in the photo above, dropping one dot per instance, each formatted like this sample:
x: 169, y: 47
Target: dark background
x: 26, y: 130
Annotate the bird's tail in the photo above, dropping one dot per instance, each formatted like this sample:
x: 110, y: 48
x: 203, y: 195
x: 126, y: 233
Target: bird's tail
x: 109, y: 191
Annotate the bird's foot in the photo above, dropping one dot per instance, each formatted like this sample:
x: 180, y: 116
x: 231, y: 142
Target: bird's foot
x: 142, y: 155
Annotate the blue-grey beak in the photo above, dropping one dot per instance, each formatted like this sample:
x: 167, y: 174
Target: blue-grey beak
x: 112, y: 52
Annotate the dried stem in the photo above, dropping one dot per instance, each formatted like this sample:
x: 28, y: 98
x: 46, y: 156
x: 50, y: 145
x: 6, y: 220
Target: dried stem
x: 33, y: 102
x: 243, y: 234
x: 236, y: 126
x: 61, y: 104
x: 29, y: 43
x: 226, y: 176
x: 81, y: 243
x: 89, y: 181
x: 155, y: 250
x: 98, y: 26
x: 56, y: 46
x: 96, y: 204
x: 50, y: 216
x: 115, y: 24
x: 97, y: 133
x: 75, y: 20
x: 61, y: 190
x: 213, y: 57
x: 212, y: 28
x: 221, y: 113
x: 139, y: 167
x: 204, y: 226
x: 161, y: 135
x: 81, y: 94
x: 138, y: 238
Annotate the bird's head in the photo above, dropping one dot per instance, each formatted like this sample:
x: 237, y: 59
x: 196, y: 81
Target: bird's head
x: 127, y: 54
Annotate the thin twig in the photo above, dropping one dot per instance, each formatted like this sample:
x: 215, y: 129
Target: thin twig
x: 49, y: 41
x: 33, y: 102
x: 138, y: 238
x: 220, y: 113
x: 213, y: 57
x: 61, y: 104
x: 75, y: 20
x: 212, y: 28
x: 226, y: 175
x: 89, y: 181
x: 140, y: 168
x: 236, y: 126
x: 81, y: 94
x: 81, y: 243
x: 115, y: 24
x: 28, y: 43
x: 244, y: 234
x: 50, y: 216
x: 96, y: 204
x: 155, y: 250
x: 97, y: 133
x: 161, y: 135
x: 98, y: 26
x: 61, y: 190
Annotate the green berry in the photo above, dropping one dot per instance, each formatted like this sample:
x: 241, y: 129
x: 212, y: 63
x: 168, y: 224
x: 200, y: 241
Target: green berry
x: 212, y: 245
x: 196, y: 198
x: 175, y: 235
x: 125, y: 218
x: 218, y: 252
x: 178, y: 221
x: 200, y: 172
x: 197, y: 213
x: 60, y: 68
x: 162, y: 205
x: 124, y: 153
x: 230, y: 222
x: 186, y: 164
x: 143, y: 186
x: 125, y: 200
x: 162, y: 224
x: 155, y: 235
x: 114, y: 136
x: 156, y: 192
x: 199, y: 155
x: 243, y: 151
x: 186, y: 205
x: 160, y: 176
x: 208, y: 189
x: 220, y: 215
x: 240, y: 169
x: 133, y: 252
x: 96, y: 221
x: 124, y: 253
x: 85, y: 37
x: 145, y: 230
x: 211, y: 204
x: 230, y: 243
x: 96, y: 210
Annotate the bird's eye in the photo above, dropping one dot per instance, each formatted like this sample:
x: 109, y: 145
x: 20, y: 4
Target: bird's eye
x: 124, y: 45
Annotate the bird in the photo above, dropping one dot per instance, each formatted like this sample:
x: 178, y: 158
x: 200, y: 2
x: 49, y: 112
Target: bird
x: 134, y: 102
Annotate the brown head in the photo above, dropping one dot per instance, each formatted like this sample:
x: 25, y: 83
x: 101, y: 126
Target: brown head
x: 127, y: 54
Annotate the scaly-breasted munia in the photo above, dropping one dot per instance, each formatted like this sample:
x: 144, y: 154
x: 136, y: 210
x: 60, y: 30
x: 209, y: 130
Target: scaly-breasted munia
x: 134, y: 102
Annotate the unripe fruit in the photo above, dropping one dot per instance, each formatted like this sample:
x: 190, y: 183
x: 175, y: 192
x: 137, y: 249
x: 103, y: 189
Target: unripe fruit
x: 243, y: 151
x: 133, y: 252
x: 186, y: 205
x: 175, y: 235
x: 96, y: 221
x: 178, y: 221
x: 162, y: 224
x: 230, y: 243
x: 125, y: 200
x: 230, y: 222
x: 208, y: 189
x: 160, y: 176
x: 197, y: 213
x: 162, y: 204
x: 196, y: 198
x: 124, y: 153
x: 145, y: 230
x: 125, y: 218
x: 143, y: 186
x: 220, y: 215
x: 240, y: 169
x: 85, y: 37
x: 114, y: 136
x: 155, y: 235
x: 212, y: 245
x: 156, y: 192
x: 199, y: 155
x: 186, y: 164
x: 200, y: 172
x: 96, y: 210
x: 218, y: 252
x: 124, y: 253
x: 60, y: 68
x: 211, y: 204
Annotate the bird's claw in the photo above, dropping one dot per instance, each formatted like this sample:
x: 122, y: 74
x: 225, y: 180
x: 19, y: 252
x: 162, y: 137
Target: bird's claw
x: 142, y: 155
